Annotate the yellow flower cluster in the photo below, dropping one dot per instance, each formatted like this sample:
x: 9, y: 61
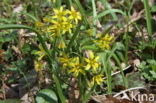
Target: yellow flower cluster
x: 73, y: 64
x: 104, y: 41
x: 61, y: 22
x: 81, y: 67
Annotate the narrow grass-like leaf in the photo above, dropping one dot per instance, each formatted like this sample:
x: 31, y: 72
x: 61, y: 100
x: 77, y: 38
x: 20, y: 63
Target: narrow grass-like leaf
x: 69, y: 3
x: 120, y: 56
x: 30, y: 16
x: 104, y: 13
x: 3, y: 20
x: 148, y: 17
x: 108, y: 7
x: 94, y: 11
x: 73, y: 38
x: 10, y: 101
x: 16, y: 26
x: 59, y: 90
x: 106, y: 70
x: 94, y: 15
x: 58, y: 3
x: 89, y: 93
x: 121, y: 70
x: 91, y: 47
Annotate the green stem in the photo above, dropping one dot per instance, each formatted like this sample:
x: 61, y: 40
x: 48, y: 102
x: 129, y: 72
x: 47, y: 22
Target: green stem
x: 94, y: 15
x: 73, y: 38
x: 59, y: 89
x: 148, y: 17
x: 69, y: 3
x: 121, y: 70
x: 126, y: 47
x: 109, y: 79
x: 107, y: 71
x: 58, y: 3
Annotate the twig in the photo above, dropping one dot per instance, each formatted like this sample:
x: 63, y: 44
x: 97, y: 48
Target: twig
x: 128, y: 90
x: 118, y: 71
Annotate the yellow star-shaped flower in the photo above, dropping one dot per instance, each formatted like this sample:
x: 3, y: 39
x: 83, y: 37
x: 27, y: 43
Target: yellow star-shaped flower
x: 76, y: 67
x: 60, y: 14
x: 97, y: 79
x: 74, y: 15
x: 92, y: 62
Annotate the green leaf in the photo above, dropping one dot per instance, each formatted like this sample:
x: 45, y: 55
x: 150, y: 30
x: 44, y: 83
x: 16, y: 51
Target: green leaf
x: 46, y: 96
x: 153, y: 9
x: 148, y: 17
x: 106, y: 12
x: 13, y: 69
x: 90, y: 47
x: 59, y: 89
x: 107, y: 6
x: 76, y: 33
x: 154, y: 67
x: 10, y: 101
x: 153, y: 74
x: 30, y: 16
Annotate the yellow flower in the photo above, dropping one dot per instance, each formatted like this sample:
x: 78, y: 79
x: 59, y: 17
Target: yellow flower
x: 55, y: 28
x: 59, y: 27
x: 74, y: 15
x: 74, y: 61
x: 56, y: 25
x: 53, y: 32
x: 76, y: 67
x: 65, y: 60
x: 76, y: 71
x: 104, y: 42
x: 38, y: 66
x: 60, y: 14
x: 97, y: 79
x: 92, y: 62
x: 61, y: 22
x: 66, y: 27
x: 107, y: 38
